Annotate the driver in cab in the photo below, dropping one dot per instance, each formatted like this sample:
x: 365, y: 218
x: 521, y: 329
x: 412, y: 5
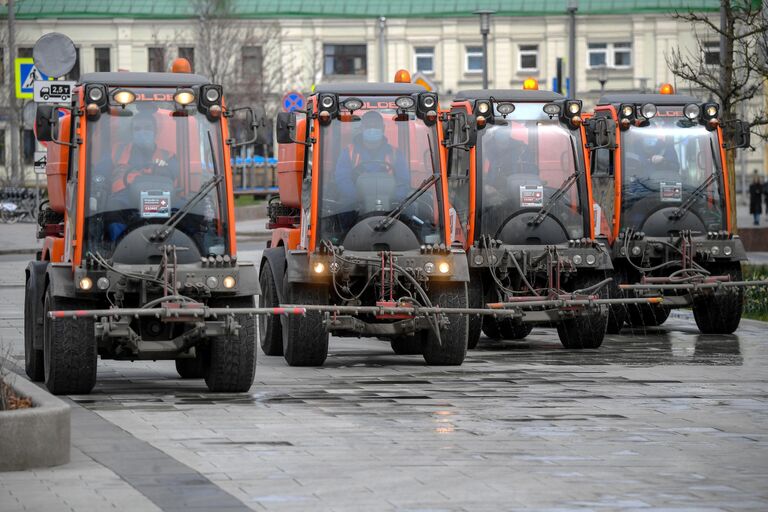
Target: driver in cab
x: 654, y: 154
x: 371, y: 153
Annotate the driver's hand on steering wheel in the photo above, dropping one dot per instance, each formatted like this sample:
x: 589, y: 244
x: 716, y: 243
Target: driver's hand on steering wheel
x: 655, y: 159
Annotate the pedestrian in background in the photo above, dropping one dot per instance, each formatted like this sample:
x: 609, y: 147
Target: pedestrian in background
x: 756, y: 198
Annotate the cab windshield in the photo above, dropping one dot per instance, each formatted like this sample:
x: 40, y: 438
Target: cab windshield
x: 373, y: 161
x: 146, y: 161
x: 665, y: 164
x: 523, y: 160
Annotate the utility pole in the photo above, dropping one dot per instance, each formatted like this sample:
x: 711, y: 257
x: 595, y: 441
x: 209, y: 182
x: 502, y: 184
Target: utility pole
x: 485, y: 29
x: 13, y: 118
x: 573, y: 6
x: 382, y: 49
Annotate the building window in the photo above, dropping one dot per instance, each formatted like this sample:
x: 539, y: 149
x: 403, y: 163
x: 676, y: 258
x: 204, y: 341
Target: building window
x: 529, y: 57
x: 156, y: 58
x: 28, y: 145
x: 2, y: 147
x: 24, y: 52
x: 252, y: 61
x: 611, y: 55
x: 101, y: 60
x: 474, y: 59
x: 711, y: 51
x: 344, y: 59
x: 425, y: 59
x: 189, y: 54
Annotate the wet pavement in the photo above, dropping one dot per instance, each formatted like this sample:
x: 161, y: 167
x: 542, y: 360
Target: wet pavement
x: 666, y: 419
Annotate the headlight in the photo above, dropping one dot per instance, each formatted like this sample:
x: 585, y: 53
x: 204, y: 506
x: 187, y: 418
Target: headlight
x: 483, y: 107
x: 102, y: 283
x: 648, y: 110
x: 319, y: 268
x: 184, y: 96
x: 715, y: 250
x: 429, y: 267
x: 478, y: 259
x: 85, y: 283
x: 212, y: 282
x: 444, y: 267
x: 351, y: 104
x: 627, y: 110
x: 428, y: 101
x: 229, y: 282
x: 95, y: 94
x: 123, y: 96
x: 552, y: 109
x: 692, y: 111
x: 212, y: 95
x: 405, y: 102
x: 591, y: 259
x: 574, y: 107
x: 577, y: 259
x: 710, y: 110
x: 505, y: 108
x: 727, y: 250
x: 326, y: 101
x: 636, y: 250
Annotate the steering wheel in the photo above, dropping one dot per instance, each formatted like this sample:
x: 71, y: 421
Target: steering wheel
x: 362, y: 167
x: 157, y: 171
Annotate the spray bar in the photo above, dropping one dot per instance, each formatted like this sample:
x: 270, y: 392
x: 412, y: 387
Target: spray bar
x: 173, y: 313
x: 693, y: 286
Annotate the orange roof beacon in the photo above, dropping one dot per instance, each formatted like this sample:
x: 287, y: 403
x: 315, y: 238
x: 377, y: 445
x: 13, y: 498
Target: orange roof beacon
x: 662, y: 187
x: 139, y: 258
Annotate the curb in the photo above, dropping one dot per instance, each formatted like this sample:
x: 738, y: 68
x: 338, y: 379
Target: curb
x: 36, y: 437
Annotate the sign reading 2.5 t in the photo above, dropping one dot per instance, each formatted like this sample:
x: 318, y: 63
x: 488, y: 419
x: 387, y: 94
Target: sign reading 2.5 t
x: 56, y: 91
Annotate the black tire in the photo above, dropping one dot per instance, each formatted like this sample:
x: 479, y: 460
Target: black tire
x: 34, y: 364
x: 617, y: 314
x: 475, y: 296
x: 720, y: 313
x: 69, y: 349
x: 514, y: 331
x: 408, y: 345
x: 270, y: 327
x: 585, y: 330
x: 190, y: 368
x: 503, y: 327
x: 230, y: 361
x: 451, y: 348
x: 305, y: 338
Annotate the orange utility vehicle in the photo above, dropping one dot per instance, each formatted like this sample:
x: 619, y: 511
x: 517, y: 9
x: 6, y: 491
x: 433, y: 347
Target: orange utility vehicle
x: 665, y: 204
x: 139, y: 259
x: 524, y: 202
x: 361, y: 230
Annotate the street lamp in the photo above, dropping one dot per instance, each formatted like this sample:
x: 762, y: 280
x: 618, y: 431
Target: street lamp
x: 573, y: 6
x: 485, y: 29
x: 602, y: 77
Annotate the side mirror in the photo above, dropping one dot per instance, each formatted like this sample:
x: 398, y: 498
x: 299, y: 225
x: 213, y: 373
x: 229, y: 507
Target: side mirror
x: 601, y: 133
x: 252, y: 124
x: 741, y: 135
x: 46, y: 121
x: 286, y: 128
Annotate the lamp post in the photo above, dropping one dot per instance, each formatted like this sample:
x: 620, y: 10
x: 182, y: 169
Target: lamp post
x: 485, y: 29
x: 573, y: 6
x: 602, y: 77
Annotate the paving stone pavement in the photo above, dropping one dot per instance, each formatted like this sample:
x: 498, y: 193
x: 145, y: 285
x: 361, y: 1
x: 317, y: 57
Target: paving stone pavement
x: 662, y: 420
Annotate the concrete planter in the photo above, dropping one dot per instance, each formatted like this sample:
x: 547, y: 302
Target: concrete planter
x: 35, y: 437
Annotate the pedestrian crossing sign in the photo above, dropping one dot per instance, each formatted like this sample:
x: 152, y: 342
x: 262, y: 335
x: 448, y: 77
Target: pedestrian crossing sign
x: 26, y: 75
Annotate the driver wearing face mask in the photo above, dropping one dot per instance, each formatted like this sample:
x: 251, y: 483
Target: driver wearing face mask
x: 370, y: 152
x: 657, y: 154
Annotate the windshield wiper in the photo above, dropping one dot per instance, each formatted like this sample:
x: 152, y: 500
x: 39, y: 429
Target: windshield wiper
x: 165, y: 229
x: 688, y: 203
x: 560, y: 192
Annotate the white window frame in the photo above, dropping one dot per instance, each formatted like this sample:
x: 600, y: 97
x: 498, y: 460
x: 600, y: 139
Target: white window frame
x: 610, y: 54
x: 527, y: 52
x: 468, y: 54
x: 423, y: 53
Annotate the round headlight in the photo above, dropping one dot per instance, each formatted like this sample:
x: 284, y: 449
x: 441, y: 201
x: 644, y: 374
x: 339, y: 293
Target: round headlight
x: 444, y: 267
x: 715, y: 250
x: 96, y: 94
x: 123, y: 96
x: 574, y: 108
x: 636, y: 250
x: 102, y: 283
x: 478, y: 259
x: 85, y: 283
x: 326, y: 101
x: 577, y: 259
x: 727, y: 250
x: 405, y: 102
x: 319, y: 268
x: 429, y: 267
x: 212, y: 282
x: 552, y: 109
x: 591, y: 259
x: 353, y: 104
x: 228, y: 282
x: 711, y: 110
x: 212, y: 95
x: 648, y: 110
x: 505, y: 108
x: 483, y: 107
x: 627, y: 110
x: 428, y: 101
x: 692, y: 111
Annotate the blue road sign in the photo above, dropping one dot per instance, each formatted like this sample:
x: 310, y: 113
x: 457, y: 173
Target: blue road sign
x: 293, y: 101
x: 26, y: 76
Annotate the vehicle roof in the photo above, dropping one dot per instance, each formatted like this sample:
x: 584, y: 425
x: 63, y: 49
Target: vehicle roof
x: 639, y: 98
x: 508, y: 95
x: 127, y: 79
x: 369, y: 88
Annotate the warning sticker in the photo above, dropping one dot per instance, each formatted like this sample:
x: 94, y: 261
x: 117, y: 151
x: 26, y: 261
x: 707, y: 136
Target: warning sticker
x: 531, y: 196
x: 155, y: 203
x: 671, y: 192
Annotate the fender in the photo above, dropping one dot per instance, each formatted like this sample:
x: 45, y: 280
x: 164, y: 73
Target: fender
x: 276, y: 258
x: 60, y: 279
x: 248, y: 284
x: 36, y: 282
